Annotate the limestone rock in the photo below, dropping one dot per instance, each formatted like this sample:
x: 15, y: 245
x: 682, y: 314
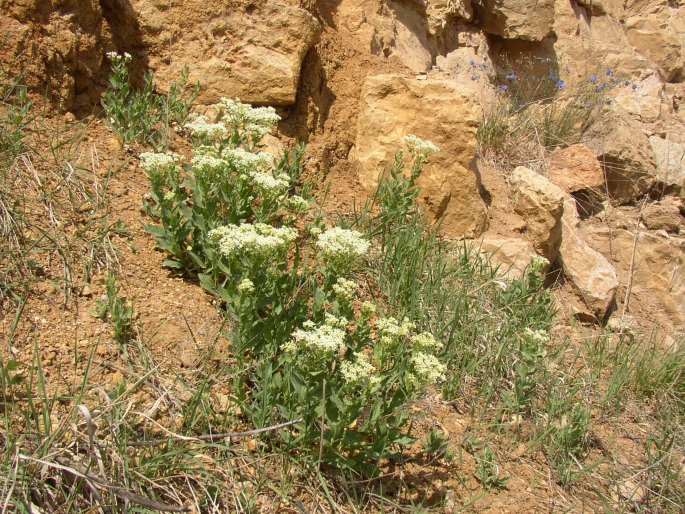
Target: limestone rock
x: 540, y: 204
x: 624, y: 152
x: 591, y: 45
x: 658, y: 283
x: 652, y: 35
x: 57, y: 46
x: 592, y: 275
x: 644, y: 101
x: 253, y: 51
x: 530, y: 20
x: 575, y: 168
x: 512, y: 255
x: 670, y: 163
x: 663, y: 215
x: 441, y: 11
x: 441, y: 110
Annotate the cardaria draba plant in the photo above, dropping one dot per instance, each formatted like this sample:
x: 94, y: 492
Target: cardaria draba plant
x: 141, y: 114
x: 305, y: 345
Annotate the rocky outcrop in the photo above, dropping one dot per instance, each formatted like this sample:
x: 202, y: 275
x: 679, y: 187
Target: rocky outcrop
x: 540, y: 204
x: 623, y: 149
x: 575, y: 169
x: 530, y: 20
x: 670, y: 164
x: 57, y: 47
x: 512, y: 256
x: 650, y: 31
x: 652, y: 264
x: 592, y: 276
x: 252, y: 50
x: 442, y: 111
x: 664, y: 215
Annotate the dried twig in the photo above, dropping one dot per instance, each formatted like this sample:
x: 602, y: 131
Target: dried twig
x: 214, y: 437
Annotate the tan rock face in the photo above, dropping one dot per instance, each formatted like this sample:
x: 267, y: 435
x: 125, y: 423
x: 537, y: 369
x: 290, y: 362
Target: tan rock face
x: 512, y: 255
x: 625, y: 155
x: 540, y: 204
x: 58, y: 47
x: 442, y: 111
x: 664, y: 215
x: 253, y: 51
x: 593, y: 277
x: 658, y: 281
x: 670, y: 163
x: 575, y: 169
x: 652, y: 34
x: 530, y: 20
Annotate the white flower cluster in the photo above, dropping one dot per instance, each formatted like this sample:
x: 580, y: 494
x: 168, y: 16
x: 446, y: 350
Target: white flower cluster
x: 207, y: 163
x: 298, y: 204
x: 202, y: 128
x: 344, y: 289
x: 342, y: 247
x: 258, y: 121
x: 268, y: 185
x: 248, y: 162
x: 392, y: 329
x: 427, y: 368
x: 159, y: 162
x: 359, y: 371
x: 538, y: 264
x: 246, y: 286
x: 116, y: 56
x: 317, y: 340
x: 420, y: 146
x: 368, y: 309
x: 259, y: 240
x: 425, y: 341
x: 539, y: 336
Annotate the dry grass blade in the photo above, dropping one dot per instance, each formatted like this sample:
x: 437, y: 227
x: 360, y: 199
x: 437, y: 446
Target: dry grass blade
x: 120, y: 492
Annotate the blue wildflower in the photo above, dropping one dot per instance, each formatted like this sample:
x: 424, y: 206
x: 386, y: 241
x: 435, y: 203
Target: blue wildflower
x: 511, y: 76
x: 610, y: 72
x: 561, y: 84
x: 503, y: 88
x: 593, y: 79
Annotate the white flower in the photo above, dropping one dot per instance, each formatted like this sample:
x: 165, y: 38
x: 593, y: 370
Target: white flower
x: 322, y: 339
x: 334, y: 321
x: 342, y: 247
x: 427, y: 368
x: 344, y: 289
x: 298, y: 204
x: 248, y: 162
x: 368, y: 309
x: 538, y: 264
x: 159, y: 162
x: 269, y: 185
x: 201, y: 127
x: 246, y: 286
x: 425, y: 341
x: 169, y: 195
x: 259, y: 240
x: 208, y: 163
x: 257, y: 121
x: 116, y: 56
x: 539, y: 336
x: 420, y: 146
x: 361, y: 370
x: 391, y: 328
